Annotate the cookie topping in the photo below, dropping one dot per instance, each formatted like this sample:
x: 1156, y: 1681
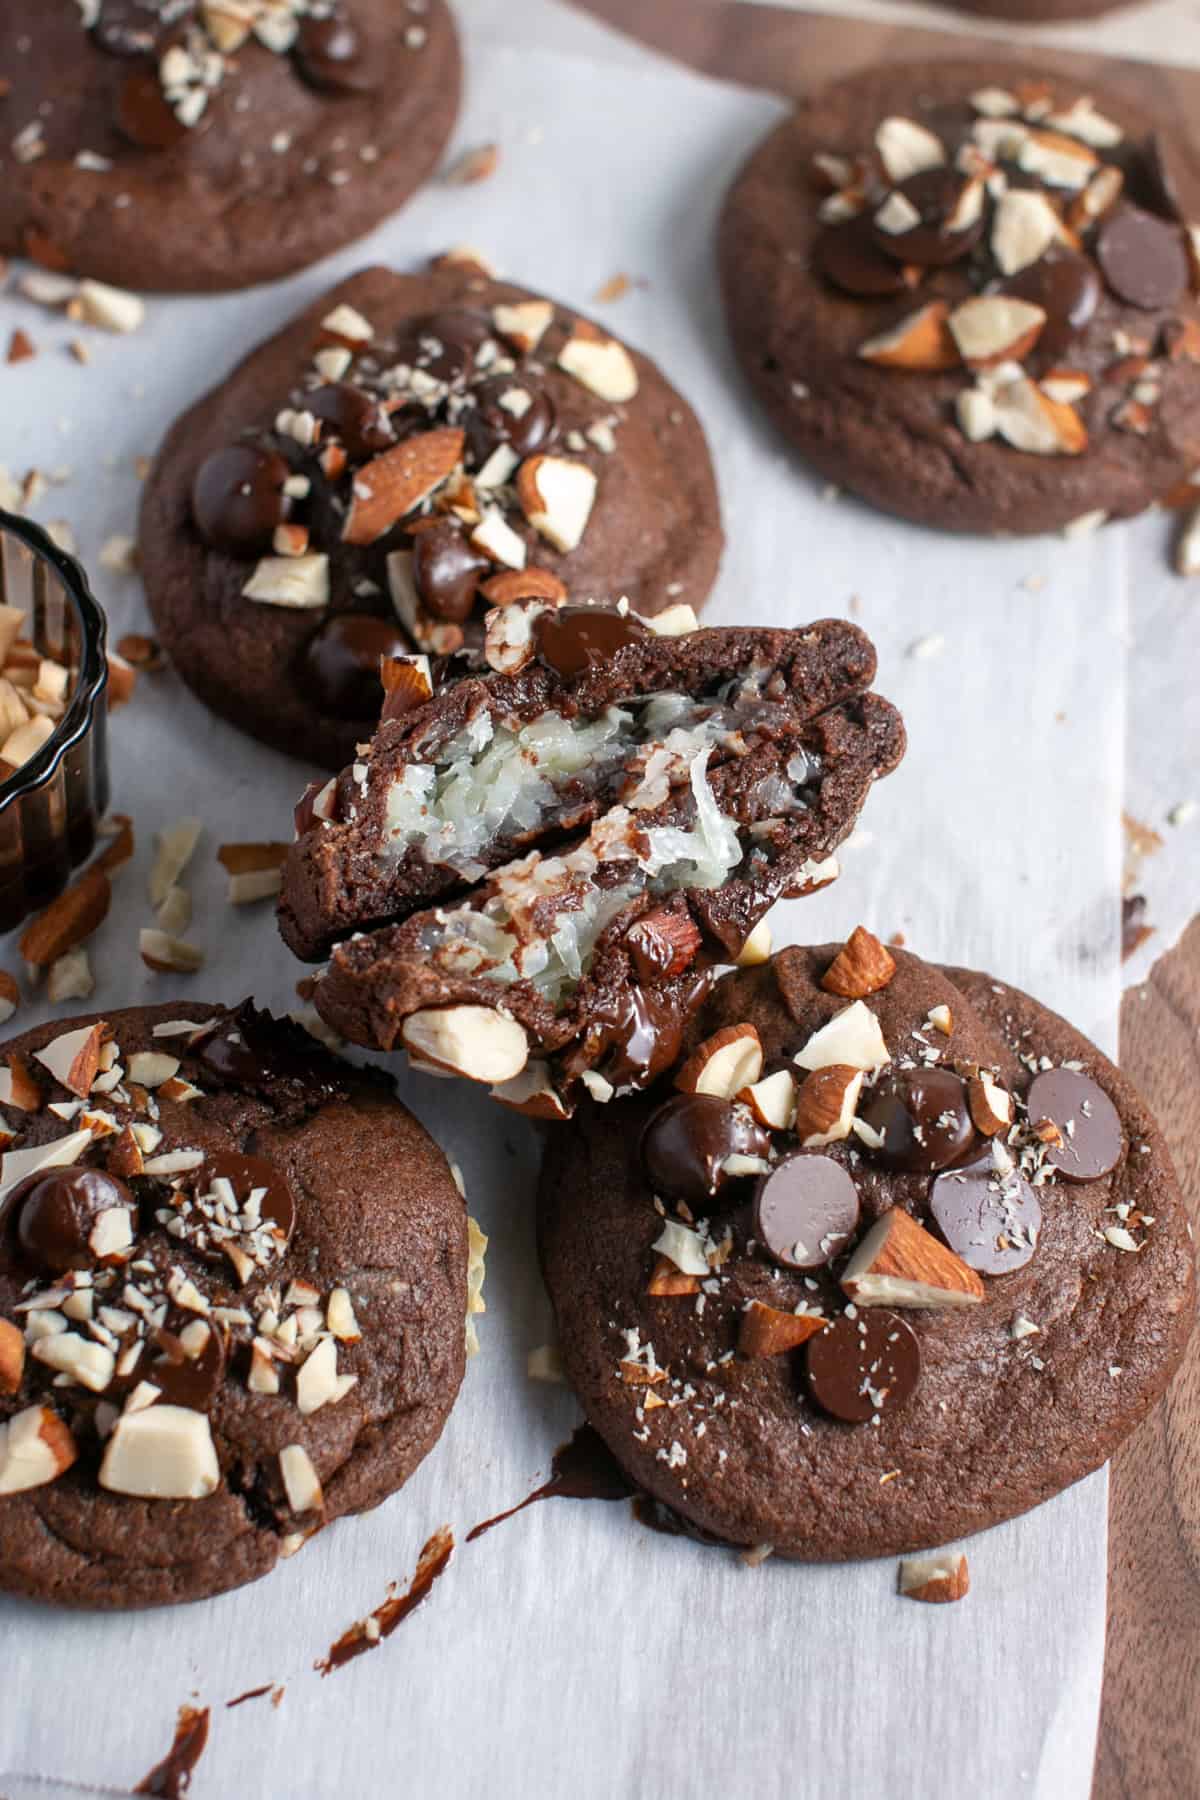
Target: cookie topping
x: 805, y: 1211
x: 1088, y: 1141
x: 238, y: 498
x: 341, y: 662
x: 862, y: 1364
x: 1010, y: 228
x: 921, y: 1118
x: 573, y: 638
x: 69, y: 1219
x: 688, y: 1145
x: 989, y: 1216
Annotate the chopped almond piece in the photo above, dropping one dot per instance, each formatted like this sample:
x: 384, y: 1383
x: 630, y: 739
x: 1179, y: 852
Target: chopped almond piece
x: 862, y: 966
x: 69, y: 920
x: 766, y: 1331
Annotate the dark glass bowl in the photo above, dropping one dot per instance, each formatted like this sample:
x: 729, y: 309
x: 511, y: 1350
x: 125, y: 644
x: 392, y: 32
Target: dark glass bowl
x: 51, y: 805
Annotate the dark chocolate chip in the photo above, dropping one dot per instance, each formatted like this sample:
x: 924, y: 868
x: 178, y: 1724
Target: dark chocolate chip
x: 512, y: 410
x: 1067, y: 288
x: 143, y: 114
x: 191, y: 1381
x: 849, y: 256
x: 354, y: 417
x: 245, y: 1173
x: 686, y: 1143
x: 923, y: 1118
x: 805, y: 1211
x: 340, y: 663
x: 329, y: 54
x: 1143, y: 258
x: 238, y: 498
x: 992, y: 1221
x: 1092, y: 1139
x: 443, y: 345
x: 54, y: 1214
x: 862, y: 1365
x: 446, y: 571
x: 935, y: 194
x: 575, y: 638
x: 246, y: 1048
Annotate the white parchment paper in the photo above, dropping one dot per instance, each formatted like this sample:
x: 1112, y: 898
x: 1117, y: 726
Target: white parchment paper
x: 570, y: 1650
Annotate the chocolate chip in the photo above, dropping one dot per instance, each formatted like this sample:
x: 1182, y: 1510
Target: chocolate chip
x: 1092, y: 1139
x: 246, y: 1048
x: 934, y: 194
x: 805, y: 1211
x: 862, y: 1364
x: 128, y: 27
x: 238, y: 498
x: 1067, y: 288
x: 443, y: 345
x: 245, y: 1174
x: 923, y: 1118
x: 340, y: 663
x: 354, y: 417
x: 54, y: 1215
x: 142, y: 113
x: 575, y: 638
x: 686, y: 1142
x: 191, y: 1381
x: 1143, y: 258
x: 992, y: 1221
x: 446, y: 571
x: 512, y: 410
x: 849, y: 256
x: 329, y: 54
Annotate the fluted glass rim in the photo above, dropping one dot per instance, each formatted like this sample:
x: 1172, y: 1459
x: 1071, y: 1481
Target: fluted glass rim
x: 92, y: 676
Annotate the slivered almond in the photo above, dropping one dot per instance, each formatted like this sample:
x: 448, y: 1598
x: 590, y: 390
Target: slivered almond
x: 394, y: 483
x: 255, y: 870
x: 1065, y: 386
x: 907, y: 148
x: 853, y: 1036
x: 523, y: 324
x: 73, y: 1058
x: 174, y: 850
x: 666, y: 1279
x: 407, y: 683
x: 938, y: 1578
x: 756, y: 949
x: 1060, y: 161
x: 556, y: 495
x: 124, y: 1155
x: 921, y: 341
x: 1097, y: 198
x: 36, y: 1447
x: 995, y: 328
x: 475, y: 165
x: 120, y: 847
x: 772, y: 1100
x: 1023, y: 228
x: 523, y: 584
x: 168, y: 955
x: 990, y: 1106
x: 12, y: 1357
x: 474, y: 1041
x: 724, y: 1063
x: 767, y: 1331
x: 18, y: 1087
x: 346, y: 325
x: 69, y: 920
x: 600, y: 364
x: 1028, y: 419
x: 899, y: 1263
x: 862, y: 966
x: 826, y: 1104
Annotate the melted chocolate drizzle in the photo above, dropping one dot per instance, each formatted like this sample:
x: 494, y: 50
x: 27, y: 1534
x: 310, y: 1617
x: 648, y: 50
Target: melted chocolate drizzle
x: 172, y: 1777
x: 584, y: 1468
x: 432, y: 1562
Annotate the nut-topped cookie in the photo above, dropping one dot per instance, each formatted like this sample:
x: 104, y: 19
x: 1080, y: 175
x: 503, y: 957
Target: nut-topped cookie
x: 902, y: 1256
x: 233, y: 1288
x: 528, y: 879
x: 209, y: 144
x: 411, y: 451
x: 969, y: 294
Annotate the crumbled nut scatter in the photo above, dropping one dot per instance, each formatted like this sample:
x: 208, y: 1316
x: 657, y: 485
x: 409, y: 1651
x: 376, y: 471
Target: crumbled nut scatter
x: 35, y: 692
x: 1049, y: 208
x: 914, y: 1108
x: 149, y: 1273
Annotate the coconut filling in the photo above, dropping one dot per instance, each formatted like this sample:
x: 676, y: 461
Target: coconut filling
x: 495, y: 781
x: 546, y: 914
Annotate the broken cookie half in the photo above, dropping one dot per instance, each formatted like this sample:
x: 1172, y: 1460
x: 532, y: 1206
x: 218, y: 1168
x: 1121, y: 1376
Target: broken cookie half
x: 529, y: 879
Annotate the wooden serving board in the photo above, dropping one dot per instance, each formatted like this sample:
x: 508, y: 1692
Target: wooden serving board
x: 1149, y: 1742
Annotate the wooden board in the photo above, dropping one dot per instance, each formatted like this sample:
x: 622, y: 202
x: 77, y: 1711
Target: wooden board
x: 1149, y: 1740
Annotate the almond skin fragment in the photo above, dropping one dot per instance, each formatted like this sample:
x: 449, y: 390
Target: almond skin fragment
x: 391, y: 485
x: 921, y: 342
x: 766, y: 1331
x: 862, y: 966
x: 12, y: 1357
x: 523, y: 584
x: 666, y: 1279
x: 938, y: 1578
x: 990, y: 1106
x: 69, y: 920
x: 826, y: 1104
x: 664, y: 944
x: 729, y: 1060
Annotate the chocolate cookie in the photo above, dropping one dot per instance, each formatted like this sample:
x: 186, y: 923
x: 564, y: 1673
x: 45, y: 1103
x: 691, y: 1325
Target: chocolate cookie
x: 969, y: 295
x: 411, y: 449
x: 233, y: 1285
x: 165, y: 144
x: 528, y: 879
x: 904, y: 1257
